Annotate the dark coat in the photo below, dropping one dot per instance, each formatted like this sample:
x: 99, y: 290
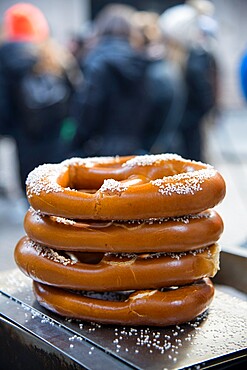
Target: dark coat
x: 200, y: 81
x: 194, y: 95
x: 116, y: 106
x: 16, y: 61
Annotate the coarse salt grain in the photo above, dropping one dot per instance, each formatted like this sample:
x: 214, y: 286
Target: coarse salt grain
x: 149, y: 160
x: 44, y: 179
x: 112, y: 186
x: 185, y: 219
x: 62, y: 220
x: 51, y: 254
x: 183, y: 183
x: 176, y: 255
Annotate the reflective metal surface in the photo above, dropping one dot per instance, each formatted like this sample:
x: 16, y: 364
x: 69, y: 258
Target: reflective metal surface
x: 216, y: 339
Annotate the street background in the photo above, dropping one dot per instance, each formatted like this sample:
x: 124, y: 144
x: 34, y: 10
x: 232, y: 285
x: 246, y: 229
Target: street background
x: 226, y: 136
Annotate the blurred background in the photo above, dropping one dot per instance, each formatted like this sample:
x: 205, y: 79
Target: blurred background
x: 224, y: 128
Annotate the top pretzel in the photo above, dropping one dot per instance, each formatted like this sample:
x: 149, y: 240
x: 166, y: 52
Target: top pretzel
x: 124, y: 188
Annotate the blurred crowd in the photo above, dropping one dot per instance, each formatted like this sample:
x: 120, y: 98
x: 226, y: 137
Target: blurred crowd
x: 134, y: 82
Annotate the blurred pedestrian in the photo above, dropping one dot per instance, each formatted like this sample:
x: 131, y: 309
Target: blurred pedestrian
x: 150, y: 40
x: 37, y: 79
x: 164, y: 85
x: 196, y: 70
x: 80, y: 43
x: 115, y: 109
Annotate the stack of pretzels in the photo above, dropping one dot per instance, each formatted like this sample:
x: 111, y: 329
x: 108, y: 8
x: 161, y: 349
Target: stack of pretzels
x: 123, y: 240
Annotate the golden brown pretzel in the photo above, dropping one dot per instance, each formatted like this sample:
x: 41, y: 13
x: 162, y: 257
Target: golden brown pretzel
x: 115, y: 272
x: 109, y: 221
x: 124, y: 188
x: 148, y: 307
x: 170, y: 235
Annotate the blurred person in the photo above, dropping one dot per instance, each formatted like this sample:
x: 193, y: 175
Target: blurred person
x: 163, y: 84
x: 208, y: 30
x: 82, y: 42
x: 37, y: 79
x: 151, y: 41
x: 196, y: 71
x: 116, y: 109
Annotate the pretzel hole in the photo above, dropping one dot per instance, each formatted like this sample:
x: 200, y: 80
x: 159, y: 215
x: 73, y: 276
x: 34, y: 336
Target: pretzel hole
x: 116, y: 296
x: 116, y: 177
x: 122, y: 295
x: 86, y: 257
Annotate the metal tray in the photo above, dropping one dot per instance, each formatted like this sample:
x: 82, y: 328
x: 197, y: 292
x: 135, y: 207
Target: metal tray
x: 217, y: 339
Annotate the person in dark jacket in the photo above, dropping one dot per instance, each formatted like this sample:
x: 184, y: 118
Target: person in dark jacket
x: 36, y: 83
x: 196, y: 69
x: 116, y: 107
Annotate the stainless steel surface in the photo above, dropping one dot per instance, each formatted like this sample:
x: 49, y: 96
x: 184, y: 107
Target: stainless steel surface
x: 233, y: 271
x: 215, y: 338
x: 20, y: 349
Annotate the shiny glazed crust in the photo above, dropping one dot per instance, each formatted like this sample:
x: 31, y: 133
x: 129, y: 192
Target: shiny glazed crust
x: 123, y: 240
x: 148, y: 307
x: 169, y: 235
x: 110, y: 272
x: 124, y: 188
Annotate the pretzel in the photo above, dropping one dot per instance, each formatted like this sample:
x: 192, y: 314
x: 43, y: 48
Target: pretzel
x: 147, y: 307
x: 124, y: 188
x: 139, y: 228
x: 162, y: 235
x: 110, y: 272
